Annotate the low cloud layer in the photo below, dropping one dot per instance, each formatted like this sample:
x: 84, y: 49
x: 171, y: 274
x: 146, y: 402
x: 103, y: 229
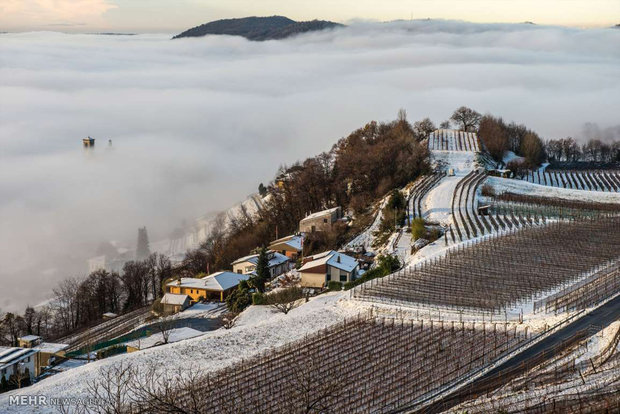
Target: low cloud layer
x: 196, y: 124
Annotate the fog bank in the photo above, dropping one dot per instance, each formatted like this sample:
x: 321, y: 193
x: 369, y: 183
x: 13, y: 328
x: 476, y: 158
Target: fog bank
x: 197, y: 124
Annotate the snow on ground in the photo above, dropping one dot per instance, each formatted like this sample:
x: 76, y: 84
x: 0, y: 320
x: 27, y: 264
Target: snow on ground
x: 366, y: 238
x: 511, y: 156
x: 257, y: 329
x: 523, y: 187
x: 437, y: 204
x: 175, y: 335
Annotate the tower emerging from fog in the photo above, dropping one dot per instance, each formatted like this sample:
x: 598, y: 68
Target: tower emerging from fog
x: 88, y: 142
x: 142, y: 250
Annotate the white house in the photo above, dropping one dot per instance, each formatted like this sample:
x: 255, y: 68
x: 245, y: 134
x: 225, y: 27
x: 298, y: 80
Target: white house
x: 278, y: 264
x: 17, y: 363
x: 174, y: 303
x: 318, y: 270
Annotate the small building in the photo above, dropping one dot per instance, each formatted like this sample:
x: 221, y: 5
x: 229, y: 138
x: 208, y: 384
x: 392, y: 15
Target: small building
x: 174, y: 303
x: 290, y: 246
x: 49, y: 354
x: 88, y: 142
x: 17, y: 365
x: 214, y: 286
x: 174, y: 335
x: 320, y: 221
x: 29, y: 341
x: 278, y: 264
x: 318, y: 270
x: 483, y: 210
x: 109, y: 315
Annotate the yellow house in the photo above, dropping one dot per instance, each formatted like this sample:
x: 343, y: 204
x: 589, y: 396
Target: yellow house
x: 214, y: 286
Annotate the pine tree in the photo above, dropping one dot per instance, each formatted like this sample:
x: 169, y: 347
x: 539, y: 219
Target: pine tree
x: 262, y: 271
x: 142, y: 250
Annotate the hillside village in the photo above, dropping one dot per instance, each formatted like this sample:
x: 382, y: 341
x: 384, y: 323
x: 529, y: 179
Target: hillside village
x: 435, y: 258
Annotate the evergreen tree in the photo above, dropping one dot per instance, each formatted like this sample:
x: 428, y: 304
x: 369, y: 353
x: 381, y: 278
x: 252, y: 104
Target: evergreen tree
x: 262, y: 271
x: 262, y: 190
x: 142, y: 250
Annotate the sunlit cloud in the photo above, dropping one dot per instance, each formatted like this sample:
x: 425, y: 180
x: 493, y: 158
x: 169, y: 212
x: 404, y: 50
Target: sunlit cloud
x: 41, y: 13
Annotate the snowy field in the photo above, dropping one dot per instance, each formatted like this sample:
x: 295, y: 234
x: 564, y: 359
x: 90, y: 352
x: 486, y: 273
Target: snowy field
x: 436, y: 205
x: 523, y: 187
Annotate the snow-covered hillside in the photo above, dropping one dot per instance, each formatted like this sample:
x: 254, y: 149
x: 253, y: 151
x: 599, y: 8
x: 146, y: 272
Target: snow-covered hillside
x: 257, y: 329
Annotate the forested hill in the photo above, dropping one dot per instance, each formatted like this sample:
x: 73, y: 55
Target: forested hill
x: 258, y: 28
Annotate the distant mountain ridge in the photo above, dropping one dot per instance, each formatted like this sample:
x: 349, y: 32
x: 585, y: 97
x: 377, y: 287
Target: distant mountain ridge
x: 258, y: 28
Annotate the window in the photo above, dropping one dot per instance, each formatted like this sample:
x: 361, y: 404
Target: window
x: 328, y: 277
x: 239, y: 271
x: 313, y: 229
x: 343, y: 277
x: 325, y: 221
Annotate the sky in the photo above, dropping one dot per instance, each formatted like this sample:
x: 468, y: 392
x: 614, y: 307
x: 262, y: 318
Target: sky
x: 197, y: 124
x: 176, y: 15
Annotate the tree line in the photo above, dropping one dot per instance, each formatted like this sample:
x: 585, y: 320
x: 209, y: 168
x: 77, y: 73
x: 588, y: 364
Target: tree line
x: 80, y: 302
x: 593, y: 150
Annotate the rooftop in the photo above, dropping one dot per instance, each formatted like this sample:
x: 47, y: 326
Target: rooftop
x: 173, y: 299
x: 51, y: 347
x: 276, y: 259
x: 10, y: 356
x: 295, y: 241
x: 338, y: 260
x: 30, y: 338
x: 320, y: 213
x: 218, y: 281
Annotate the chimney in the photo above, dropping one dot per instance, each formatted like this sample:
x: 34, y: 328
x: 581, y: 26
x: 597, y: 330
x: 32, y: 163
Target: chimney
x: 338, y: 259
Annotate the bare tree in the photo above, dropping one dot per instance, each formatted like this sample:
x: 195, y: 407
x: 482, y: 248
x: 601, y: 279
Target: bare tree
x: 114, y: 388
x: 466, y: 117
x: 313, y: 389
x: 423, y: 128
x: 183, y: 391
x: 165, y: 327
x: 285, y: 300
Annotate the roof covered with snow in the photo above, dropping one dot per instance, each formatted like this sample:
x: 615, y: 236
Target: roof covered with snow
x: 9, y: 356
x: 176, y: 335
x: 30, y: 338
x: 218, y: 281
x: 320, y: 213
x: 294, y: 241
x: 51, y: 347
x: 275, y: 259
x: 331, y: 258
x: 174, y: 299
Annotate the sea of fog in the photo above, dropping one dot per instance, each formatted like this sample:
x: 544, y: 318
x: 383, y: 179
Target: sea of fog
x: 197, y: 124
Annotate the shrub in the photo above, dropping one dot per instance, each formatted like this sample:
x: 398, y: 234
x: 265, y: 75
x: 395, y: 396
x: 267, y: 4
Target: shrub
x: 386, y: 264
x: 433, y: 235
x: 157, y: 307
x: 284, y: 300
x: 418, y: 230
x: 239, y: 299
x: 334, y: 285
x: 258, y: 298
x: 488, y: 191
